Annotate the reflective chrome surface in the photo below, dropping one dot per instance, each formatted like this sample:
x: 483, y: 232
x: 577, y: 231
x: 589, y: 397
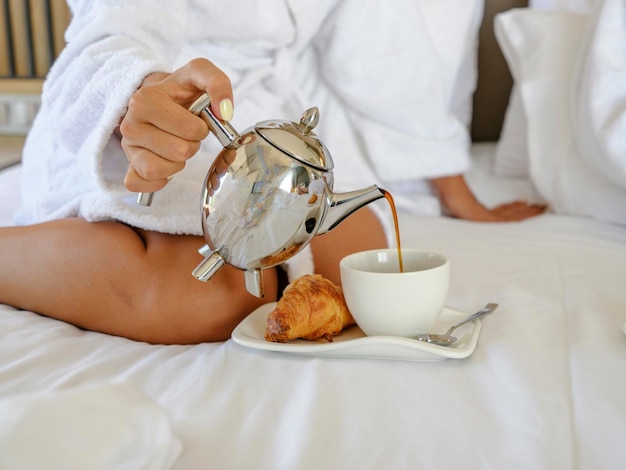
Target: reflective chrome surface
x: 260, y: 205
x: 267, y: 194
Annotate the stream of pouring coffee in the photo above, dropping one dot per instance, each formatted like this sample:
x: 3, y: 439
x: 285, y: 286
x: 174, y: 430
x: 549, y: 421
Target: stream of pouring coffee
x: 394, y: 213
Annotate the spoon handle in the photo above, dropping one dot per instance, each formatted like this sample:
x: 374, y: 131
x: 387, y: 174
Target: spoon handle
x: 483, y: 311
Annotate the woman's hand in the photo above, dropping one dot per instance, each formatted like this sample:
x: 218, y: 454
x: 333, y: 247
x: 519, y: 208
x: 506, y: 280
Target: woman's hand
x: 459, y: 201
x: 158, y: 132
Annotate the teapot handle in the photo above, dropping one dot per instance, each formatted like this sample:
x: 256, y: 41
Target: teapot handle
x: 224, y: 132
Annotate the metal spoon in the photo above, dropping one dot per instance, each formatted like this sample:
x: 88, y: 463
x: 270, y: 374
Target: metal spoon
x: 447, y: 339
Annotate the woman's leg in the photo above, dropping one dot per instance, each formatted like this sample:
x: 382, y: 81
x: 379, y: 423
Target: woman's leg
x: 114, y: 279
x: 361, y: 231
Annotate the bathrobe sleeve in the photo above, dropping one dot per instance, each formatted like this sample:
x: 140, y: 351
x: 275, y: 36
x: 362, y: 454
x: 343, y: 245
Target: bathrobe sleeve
x: 111, y: 46
x: 73, y: 164
x: 382, y: 64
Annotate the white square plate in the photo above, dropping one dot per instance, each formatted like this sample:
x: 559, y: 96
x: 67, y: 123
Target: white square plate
x: 352, y: 342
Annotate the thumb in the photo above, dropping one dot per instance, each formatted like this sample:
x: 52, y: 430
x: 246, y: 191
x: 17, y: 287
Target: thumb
x: 201, y: 75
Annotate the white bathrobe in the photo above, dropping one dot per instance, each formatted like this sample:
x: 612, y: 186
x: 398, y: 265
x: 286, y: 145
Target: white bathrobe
x: 370, y: 67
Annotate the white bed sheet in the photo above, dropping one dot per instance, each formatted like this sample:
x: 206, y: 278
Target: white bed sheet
x: 544, y: 389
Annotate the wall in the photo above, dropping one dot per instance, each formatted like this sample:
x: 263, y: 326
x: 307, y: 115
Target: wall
x: 31, y: 37
x: 494, y: 79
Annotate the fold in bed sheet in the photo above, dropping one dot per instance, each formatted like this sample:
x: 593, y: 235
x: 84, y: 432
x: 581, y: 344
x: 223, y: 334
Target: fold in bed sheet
x: 544, y: 389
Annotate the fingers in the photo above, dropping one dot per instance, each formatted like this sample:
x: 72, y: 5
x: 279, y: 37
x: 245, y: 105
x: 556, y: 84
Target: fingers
x: 158, y: 149
x: 153, y: 105
x: 159, y: 134
x: 148, y: 172
x: 202, y: 75
x: 134, y: 182
x: 517, y: 210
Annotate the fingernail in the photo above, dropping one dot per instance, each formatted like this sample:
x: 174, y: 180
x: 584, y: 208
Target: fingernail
x: 226, y: 109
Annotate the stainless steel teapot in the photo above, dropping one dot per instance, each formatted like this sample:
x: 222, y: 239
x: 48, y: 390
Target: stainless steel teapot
x: 267, y: 194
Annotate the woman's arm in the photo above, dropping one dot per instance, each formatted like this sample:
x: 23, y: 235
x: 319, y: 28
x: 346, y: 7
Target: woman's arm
x: 458, y: 201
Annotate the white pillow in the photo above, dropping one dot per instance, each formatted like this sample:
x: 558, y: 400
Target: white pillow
x: 599, y: 93
x: 511, y: 152
x: 543, y: 49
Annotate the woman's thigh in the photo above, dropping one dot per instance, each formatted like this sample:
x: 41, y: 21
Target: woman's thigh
x: 361, y: 231
x: 115, y: 279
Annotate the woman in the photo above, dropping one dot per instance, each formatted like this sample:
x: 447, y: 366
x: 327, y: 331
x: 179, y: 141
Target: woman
x: 114, y: 121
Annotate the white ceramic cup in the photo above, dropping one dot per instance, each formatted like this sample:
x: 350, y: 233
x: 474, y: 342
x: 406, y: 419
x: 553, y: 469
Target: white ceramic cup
x: 385, y: 301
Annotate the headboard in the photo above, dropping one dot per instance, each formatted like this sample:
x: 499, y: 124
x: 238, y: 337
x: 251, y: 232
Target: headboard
x: 494, y: 79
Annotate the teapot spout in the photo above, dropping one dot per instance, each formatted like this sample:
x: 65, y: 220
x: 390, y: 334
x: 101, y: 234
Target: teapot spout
x: 341, y: 205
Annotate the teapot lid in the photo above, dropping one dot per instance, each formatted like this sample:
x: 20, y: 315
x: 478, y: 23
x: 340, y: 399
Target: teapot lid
x: 297, y: 140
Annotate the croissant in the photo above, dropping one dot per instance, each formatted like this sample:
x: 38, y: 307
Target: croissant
x: 312, y: 307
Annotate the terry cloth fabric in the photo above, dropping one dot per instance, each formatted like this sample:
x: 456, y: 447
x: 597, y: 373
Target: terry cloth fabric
x: 372, y: 70
x: 567, y: 69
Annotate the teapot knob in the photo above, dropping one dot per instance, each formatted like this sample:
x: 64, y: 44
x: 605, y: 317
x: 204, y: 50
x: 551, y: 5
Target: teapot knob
x: 309, y: 120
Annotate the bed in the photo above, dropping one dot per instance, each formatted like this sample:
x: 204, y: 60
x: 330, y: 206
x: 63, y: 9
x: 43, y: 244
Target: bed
x: 540, y: 383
